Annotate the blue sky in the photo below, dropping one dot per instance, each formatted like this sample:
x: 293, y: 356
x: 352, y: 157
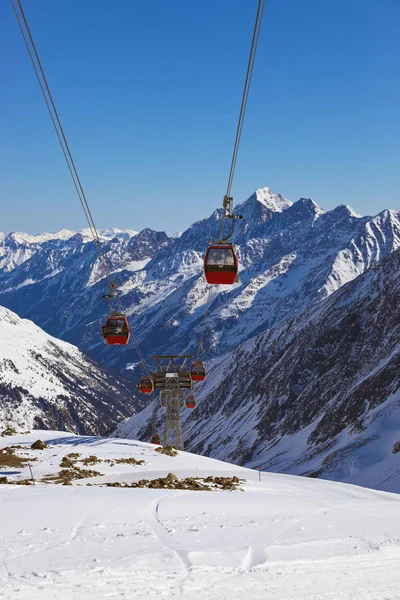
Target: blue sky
x: 149, y: 92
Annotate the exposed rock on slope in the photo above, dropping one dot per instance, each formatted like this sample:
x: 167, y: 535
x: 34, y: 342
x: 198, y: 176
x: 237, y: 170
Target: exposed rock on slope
x: 47, y: 383
x: 318, y: 395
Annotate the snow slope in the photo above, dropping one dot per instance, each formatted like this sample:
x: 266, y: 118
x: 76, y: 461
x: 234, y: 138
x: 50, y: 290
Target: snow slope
x: 286, y: 538
x: 49, y: 383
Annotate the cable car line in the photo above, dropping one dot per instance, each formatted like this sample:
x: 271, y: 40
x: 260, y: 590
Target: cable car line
x: 120, y: 332
x: 200, y: 348
x: 40, y: 75
x: 220, y: 262
x: 246, y: 90
x: 227, y: 203
x: 51, y: 114
x: 139, y: 353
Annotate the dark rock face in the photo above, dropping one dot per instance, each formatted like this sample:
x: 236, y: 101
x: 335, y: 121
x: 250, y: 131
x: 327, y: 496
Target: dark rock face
x: 318, y: 395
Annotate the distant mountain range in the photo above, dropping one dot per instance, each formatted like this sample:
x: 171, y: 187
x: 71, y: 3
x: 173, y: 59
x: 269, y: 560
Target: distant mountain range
x: 275, y: 358
x: 291, y: 255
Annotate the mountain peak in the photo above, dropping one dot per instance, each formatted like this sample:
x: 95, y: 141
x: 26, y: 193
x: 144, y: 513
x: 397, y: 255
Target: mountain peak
x: 309, y: 205
x: 344, y: 210
x: 352, y: 212
x: 275, y: 202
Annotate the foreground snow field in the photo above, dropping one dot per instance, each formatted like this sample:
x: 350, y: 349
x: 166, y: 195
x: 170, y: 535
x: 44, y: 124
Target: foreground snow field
x: 284, y: 538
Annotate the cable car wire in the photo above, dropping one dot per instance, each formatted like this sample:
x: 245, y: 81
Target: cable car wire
x: 243, y: 105
x: 41, y: 77
x: 245, y: 96
x: 55, y: 119
x: 50, y: 113
x: 200, y: 348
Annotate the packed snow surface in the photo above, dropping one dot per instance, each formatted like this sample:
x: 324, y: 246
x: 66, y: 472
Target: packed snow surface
x: 284, y: 538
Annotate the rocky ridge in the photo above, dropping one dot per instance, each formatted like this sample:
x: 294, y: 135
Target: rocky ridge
x: 318, y: 395
x: 291, y: 255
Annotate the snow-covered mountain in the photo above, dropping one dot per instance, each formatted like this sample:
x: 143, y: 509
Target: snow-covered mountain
x: 47, y: 383
x: 263, y: 335
x: 318, y: 395
x: 291, y: 255
x: 16, y: 248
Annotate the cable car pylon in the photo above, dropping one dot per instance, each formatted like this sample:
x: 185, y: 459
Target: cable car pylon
x: 172, y: 376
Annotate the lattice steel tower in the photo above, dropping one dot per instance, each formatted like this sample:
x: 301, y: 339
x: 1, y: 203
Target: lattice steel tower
x: 172, y: 377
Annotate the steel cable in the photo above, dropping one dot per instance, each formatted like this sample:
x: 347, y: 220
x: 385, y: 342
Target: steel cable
x: 200, y: 348
x: 239, y: 129
x: 55, y: 119
x: 243, y: 105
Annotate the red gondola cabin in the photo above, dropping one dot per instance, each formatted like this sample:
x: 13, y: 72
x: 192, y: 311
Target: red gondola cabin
x: 116, y: 330
x: 155, y: 439
x: 198, y: 371
x: 146, y: 385
x: 220, y: 264
x: 190, y: 402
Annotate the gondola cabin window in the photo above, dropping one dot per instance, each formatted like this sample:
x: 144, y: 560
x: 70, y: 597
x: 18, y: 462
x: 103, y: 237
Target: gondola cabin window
x: 222, y: 257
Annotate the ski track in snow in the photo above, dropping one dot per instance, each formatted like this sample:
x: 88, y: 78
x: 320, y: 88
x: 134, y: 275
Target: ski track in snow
x: 286, y: 538
x: 166, y: 539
